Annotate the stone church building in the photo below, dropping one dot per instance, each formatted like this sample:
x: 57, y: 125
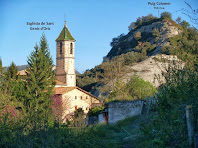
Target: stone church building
x: 72, y: 96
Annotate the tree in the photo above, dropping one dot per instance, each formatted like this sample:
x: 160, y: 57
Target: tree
x: 168, y: 127
x: 116, y: 40
x: 141, y: 21
x: 40, y: 84
x: 95, y: 111
x: 132, y: 26
x: 11, y: 73
x: 79, y: 118
x: 140, y: 89
x: 136, y: 88
x: 156, y: 32
x: 59, y: 105
x: 178, y: 20
x: 185, y: 24
x: 120, y: 92
x: 137, y: 35
x: 165, y: 15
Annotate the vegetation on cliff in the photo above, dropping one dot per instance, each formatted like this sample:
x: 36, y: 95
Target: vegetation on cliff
x: 109, y: 71
x: 137, y: 46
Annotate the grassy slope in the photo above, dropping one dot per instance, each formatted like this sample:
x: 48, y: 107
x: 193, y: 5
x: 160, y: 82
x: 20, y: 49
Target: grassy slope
x: 121, y: 134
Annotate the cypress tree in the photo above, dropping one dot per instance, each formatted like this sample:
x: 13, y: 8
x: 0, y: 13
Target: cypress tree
x: 40, y: 84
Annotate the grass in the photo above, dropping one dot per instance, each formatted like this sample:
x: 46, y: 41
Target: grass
x: 107, y: 136
x: 123, y: 133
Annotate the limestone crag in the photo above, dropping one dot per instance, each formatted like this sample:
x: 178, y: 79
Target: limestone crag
x: 166, y: 29
x: 152, y: 68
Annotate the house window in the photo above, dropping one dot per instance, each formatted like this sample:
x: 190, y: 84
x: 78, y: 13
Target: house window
x: 71, y: 48
x: 86, y: 97
x: 75, y: 107
x: 61, y: 50
x: 81, y: 97
x: 75, y: 97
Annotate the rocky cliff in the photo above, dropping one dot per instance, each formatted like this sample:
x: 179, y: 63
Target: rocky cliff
x: 167, y: 28
x: 152, y: 68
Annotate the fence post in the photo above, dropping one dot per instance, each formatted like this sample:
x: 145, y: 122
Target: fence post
x: 190, y: 125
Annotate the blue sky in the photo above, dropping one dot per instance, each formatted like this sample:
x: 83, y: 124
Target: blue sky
x: 93, y: 23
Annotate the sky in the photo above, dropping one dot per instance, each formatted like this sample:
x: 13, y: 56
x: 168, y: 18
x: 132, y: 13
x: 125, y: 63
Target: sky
x: 93, y: 24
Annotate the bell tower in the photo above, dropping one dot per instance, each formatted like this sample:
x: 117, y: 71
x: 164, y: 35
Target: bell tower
x: 65, y: 58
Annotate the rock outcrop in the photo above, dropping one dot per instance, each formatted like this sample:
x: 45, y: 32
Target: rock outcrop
x: 166, y: 30
x: 152, y: 68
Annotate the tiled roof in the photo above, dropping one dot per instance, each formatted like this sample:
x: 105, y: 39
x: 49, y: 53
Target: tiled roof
x: 65, y: 35
x: 86, y: 92
x: 63, y: 90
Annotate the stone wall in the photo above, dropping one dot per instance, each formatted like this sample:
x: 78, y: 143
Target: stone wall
x: 121, y: 110
x: 92, y: 120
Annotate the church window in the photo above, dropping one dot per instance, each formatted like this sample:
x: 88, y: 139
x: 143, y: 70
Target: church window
x: 71, y: 48
x: 75, y: 97
x: 61, y: 50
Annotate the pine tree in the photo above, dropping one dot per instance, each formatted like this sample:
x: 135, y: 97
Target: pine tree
x: 11, y: 73
x: 40, y: 84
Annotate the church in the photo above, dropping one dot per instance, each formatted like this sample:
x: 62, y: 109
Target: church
x: 72, y: 96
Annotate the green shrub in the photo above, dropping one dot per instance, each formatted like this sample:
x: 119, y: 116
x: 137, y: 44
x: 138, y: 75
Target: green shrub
x: 165, y: 50
x: 136, y: 88
x: 137, y: 35
x: 168, y: 127
x: 95, y: 111
x: 156, y: 32
x: 166, y: 15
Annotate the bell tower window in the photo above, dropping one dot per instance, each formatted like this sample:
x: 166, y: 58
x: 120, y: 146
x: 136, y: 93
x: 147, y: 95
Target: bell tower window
x: 61, y: 50
x: 71, y: 48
